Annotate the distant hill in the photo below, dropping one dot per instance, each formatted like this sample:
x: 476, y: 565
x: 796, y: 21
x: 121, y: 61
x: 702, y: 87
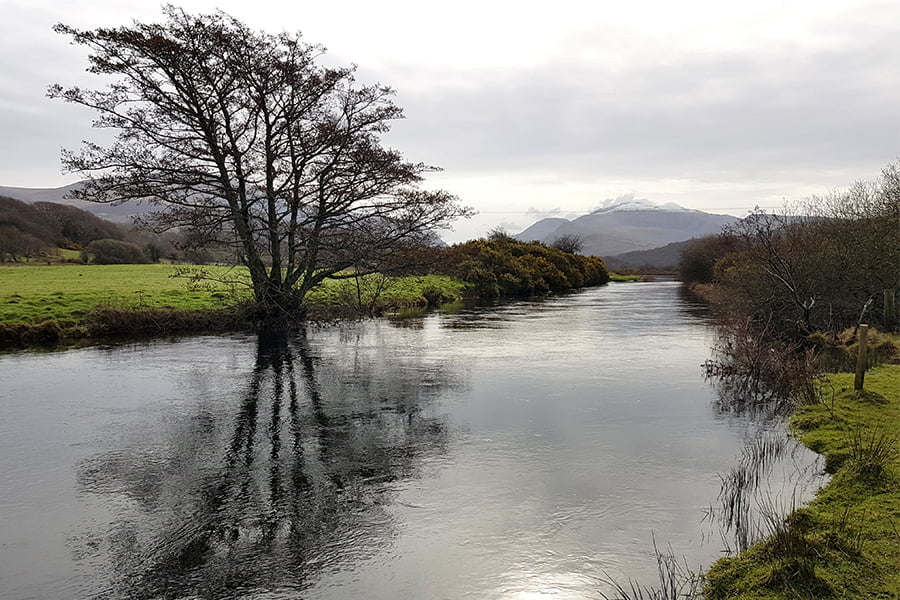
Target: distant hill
x: 28, y: 230
x: 121, y: 213
x: 624, y: 226
x: 665, y: 258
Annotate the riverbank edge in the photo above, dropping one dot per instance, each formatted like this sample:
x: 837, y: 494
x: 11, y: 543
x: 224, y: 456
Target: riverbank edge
x: 111, y: 324
x: 846, y: 542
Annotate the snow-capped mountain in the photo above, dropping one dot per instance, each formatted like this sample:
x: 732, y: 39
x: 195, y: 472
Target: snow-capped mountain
x: 631, y: 203
x: 627, y: 224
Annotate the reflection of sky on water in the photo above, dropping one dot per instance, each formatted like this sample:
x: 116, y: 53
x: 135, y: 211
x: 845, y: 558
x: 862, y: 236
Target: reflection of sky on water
x: 526, y: 450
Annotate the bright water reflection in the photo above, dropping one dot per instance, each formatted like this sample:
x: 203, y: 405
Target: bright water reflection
x: 522, y: 451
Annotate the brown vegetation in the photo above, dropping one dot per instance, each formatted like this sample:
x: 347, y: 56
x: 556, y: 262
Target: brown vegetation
x: 824, y: 264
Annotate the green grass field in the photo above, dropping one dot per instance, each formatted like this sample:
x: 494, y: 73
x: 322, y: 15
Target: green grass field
x: 625, y: 278
x: 68, y: 293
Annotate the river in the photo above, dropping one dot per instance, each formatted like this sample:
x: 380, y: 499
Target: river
x: 530, y: 450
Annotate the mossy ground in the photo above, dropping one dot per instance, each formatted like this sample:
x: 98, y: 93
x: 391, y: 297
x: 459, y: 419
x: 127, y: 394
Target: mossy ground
x: 846, y: 543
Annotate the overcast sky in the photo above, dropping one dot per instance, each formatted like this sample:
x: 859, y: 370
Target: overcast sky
x: 550, y: 108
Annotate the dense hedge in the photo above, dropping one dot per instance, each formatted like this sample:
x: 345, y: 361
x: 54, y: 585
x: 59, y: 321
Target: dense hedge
x: 503, y: 266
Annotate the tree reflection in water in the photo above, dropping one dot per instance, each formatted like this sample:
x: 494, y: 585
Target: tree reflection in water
x: 304, y: 483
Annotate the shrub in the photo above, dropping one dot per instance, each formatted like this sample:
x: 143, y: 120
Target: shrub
x: 571, y: 243
x: 116, y: 252
x: 504, y: 266
x: 752, y: 367
x: 436, y: 296
x: 699, y: 256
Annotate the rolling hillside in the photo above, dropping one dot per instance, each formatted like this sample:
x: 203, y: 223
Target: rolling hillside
x: 120, y: 213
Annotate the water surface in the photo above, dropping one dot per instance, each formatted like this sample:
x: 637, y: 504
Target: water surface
x: 523, y: 451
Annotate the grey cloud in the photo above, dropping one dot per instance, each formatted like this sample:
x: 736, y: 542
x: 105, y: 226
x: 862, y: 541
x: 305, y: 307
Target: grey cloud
x: 713, y: 116
x: 716, y: 117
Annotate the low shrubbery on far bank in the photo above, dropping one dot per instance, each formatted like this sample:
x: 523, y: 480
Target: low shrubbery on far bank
x: 502, y: 266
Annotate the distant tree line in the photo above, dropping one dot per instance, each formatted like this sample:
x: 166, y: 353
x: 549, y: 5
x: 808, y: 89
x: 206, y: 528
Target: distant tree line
x: 825, y: 263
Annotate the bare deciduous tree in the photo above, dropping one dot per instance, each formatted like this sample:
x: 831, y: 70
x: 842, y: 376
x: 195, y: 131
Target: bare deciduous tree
x: 245, y: 139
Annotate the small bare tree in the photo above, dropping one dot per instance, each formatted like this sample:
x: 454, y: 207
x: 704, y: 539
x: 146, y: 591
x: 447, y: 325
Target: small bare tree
x: 573, y: 243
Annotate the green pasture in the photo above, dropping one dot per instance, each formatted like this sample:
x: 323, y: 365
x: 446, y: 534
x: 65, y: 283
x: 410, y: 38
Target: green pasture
x: 624, y: 278
x: 67, y: 293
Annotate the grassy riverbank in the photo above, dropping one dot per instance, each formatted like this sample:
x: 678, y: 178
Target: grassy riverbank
x: 68, y: 293
x: 846, y: 543
x: 43, y: 304
x: 626, y: 278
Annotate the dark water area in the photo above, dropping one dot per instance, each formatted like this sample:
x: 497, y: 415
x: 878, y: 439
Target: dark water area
x: 523, y: 451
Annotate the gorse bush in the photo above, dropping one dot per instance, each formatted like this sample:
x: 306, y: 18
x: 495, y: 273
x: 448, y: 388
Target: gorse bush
x: 503, y: 266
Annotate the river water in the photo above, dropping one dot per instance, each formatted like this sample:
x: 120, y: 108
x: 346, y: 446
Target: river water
x: 529, y: 450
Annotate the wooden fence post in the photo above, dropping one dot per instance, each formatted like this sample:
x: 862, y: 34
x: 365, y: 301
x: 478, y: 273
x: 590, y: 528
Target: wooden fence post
x: 861, y: 358
x: 890, y: 310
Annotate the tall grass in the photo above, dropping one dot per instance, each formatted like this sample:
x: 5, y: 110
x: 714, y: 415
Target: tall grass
x: 677, y: 581
x: 871, y: 452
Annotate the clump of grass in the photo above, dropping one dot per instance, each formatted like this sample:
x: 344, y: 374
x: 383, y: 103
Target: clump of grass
x: 838, y: 351
x: 871, y: 452
x: 792, y: 552
x: 45, y: 333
